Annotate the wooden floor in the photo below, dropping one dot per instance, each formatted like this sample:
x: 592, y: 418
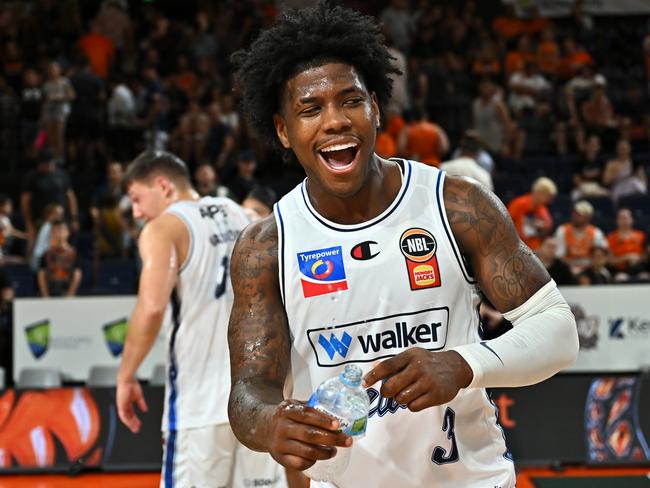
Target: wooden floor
x: 152, y: 480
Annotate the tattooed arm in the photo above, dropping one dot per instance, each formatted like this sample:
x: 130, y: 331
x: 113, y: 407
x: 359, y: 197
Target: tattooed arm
x: 258, y: 336
x: 514, y: 280
x: 507, y: 271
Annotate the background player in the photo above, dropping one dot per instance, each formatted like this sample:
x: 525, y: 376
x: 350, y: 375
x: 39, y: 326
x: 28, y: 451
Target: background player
x: 185, y: 249
x: 374, y: 258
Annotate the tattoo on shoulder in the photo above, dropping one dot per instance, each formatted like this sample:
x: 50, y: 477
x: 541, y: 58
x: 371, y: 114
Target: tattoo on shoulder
x: 508, y: 271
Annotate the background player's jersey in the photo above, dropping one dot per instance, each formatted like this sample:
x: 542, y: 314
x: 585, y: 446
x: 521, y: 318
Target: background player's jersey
x: 362, y: 293
x: 198, y: 363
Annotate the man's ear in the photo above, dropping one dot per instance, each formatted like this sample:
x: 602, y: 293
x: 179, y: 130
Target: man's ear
x: 165, y: 184
x: 281, y: 130
x: 375, y: 109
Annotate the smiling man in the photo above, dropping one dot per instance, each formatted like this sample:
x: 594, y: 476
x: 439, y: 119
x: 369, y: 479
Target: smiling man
x: 380, y: 263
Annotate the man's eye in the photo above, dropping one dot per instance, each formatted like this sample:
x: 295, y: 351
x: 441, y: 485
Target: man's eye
x: 353, y: 101
x: 310, y: 111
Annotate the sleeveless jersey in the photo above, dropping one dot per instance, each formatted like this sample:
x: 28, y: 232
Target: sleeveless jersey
x: 198, y: 363
x: 365, y: 292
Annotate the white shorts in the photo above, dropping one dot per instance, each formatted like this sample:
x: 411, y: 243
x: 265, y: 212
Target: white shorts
x: 211, y: 457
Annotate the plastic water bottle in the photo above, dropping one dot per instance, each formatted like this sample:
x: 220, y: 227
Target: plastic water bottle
x: 343, y: 398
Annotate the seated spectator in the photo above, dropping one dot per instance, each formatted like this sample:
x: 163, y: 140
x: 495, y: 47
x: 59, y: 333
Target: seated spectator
x: 244, y: 179
x: 7, y: 231
x: 207, y: 183
x: 487, y: 63
x: 58, y: 274
x: 483, y: 158
x: 574, y: 58
x: 627, y: 246
x: 558, y: 269
x: 221, y: 142
x: 597, y: 272
x: 53, y: 212
x: 527, y: 89
x: 548, y: 53
x: 517, y: 58
x: 422, y: 140
x: 530, y: 213
x: 465, y: 163
x: 259, y: 203
x: 577, y: 239
x: 110, y: 228
x: 587, y: 179
x: 623, y: 177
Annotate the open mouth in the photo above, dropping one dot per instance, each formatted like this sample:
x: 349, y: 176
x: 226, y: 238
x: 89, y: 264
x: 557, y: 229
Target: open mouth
x: 339, y: 157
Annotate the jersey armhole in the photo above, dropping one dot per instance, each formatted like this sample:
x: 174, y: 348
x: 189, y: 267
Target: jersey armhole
x: 440, y: 181
x: 190, y: 233
x: 280, y: 223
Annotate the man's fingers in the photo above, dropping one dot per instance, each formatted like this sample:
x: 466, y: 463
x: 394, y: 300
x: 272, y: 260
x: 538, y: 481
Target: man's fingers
x: 409, y: 393
x: 313, y: 435
x: 310, y: 452
x: 295, y: 462
x: 398, y: 382
x: 311, y: 416
x: 385, y: 369
x: 421, y: 402
x: 142, y: 404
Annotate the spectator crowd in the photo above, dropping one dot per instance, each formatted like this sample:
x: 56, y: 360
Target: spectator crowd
x: 552, y: 114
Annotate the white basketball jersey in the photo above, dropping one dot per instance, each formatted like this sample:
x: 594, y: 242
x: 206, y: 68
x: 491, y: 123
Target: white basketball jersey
x: 198, y: 362
x: 365, y: 292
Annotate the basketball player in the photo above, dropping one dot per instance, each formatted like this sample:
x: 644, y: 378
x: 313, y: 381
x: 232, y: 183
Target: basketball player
x: 185, y: 248
x: 380, y: 263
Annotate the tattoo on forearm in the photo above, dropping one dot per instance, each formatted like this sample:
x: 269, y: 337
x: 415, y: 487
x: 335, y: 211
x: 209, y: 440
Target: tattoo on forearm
x: 508, y: 272
x: 258, y: 333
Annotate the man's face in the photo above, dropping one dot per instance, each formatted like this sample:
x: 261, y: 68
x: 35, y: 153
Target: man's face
x: 60, y: 234
x: 624, y: 219
x: 115, y: 173
x: 148, y: 199
x: 206, y: 179
x: 329, y: 120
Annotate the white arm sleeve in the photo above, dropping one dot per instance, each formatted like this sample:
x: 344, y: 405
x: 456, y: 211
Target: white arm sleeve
x: 543, y: 340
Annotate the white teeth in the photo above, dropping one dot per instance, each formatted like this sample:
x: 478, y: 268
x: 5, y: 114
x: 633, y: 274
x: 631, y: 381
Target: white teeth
x: 338, y: 147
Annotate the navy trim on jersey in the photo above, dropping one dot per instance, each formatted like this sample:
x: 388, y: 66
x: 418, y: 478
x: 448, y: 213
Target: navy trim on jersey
x: 507, y: 455
x: 173, y: 394
x: 356, y: 227
x: 281, y: 256
x: 443, y: 218
x: 169, y: 459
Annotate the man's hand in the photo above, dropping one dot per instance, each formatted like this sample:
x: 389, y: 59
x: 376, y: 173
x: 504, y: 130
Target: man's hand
x: 301, y: 435
x: 420, y: 379
x: 128, y: 393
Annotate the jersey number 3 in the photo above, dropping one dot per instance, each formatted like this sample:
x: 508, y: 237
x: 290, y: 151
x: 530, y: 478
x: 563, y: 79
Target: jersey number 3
x: 221, y: 286
x: 440, y: 455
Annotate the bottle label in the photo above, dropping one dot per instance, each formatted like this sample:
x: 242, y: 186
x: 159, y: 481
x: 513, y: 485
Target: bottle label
x: 357, y: 428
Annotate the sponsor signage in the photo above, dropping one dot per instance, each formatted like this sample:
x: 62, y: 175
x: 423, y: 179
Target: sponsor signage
x: 381, y: 337
x: 74, y: 334
x: 613, y: 327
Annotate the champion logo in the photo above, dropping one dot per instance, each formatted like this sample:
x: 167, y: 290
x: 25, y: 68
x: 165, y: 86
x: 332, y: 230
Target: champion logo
x: 364, y: 251
x: 334, y: 345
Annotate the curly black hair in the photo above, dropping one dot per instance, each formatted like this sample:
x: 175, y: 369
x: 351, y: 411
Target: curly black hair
x: 304, y: 39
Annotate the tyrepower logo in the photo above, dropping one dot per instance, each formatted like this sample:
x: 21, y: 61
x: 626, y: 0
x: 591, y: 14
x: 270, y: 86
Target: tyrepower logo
x: 322, y: 271
x: 419, y: 249
x: 382, y: 337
